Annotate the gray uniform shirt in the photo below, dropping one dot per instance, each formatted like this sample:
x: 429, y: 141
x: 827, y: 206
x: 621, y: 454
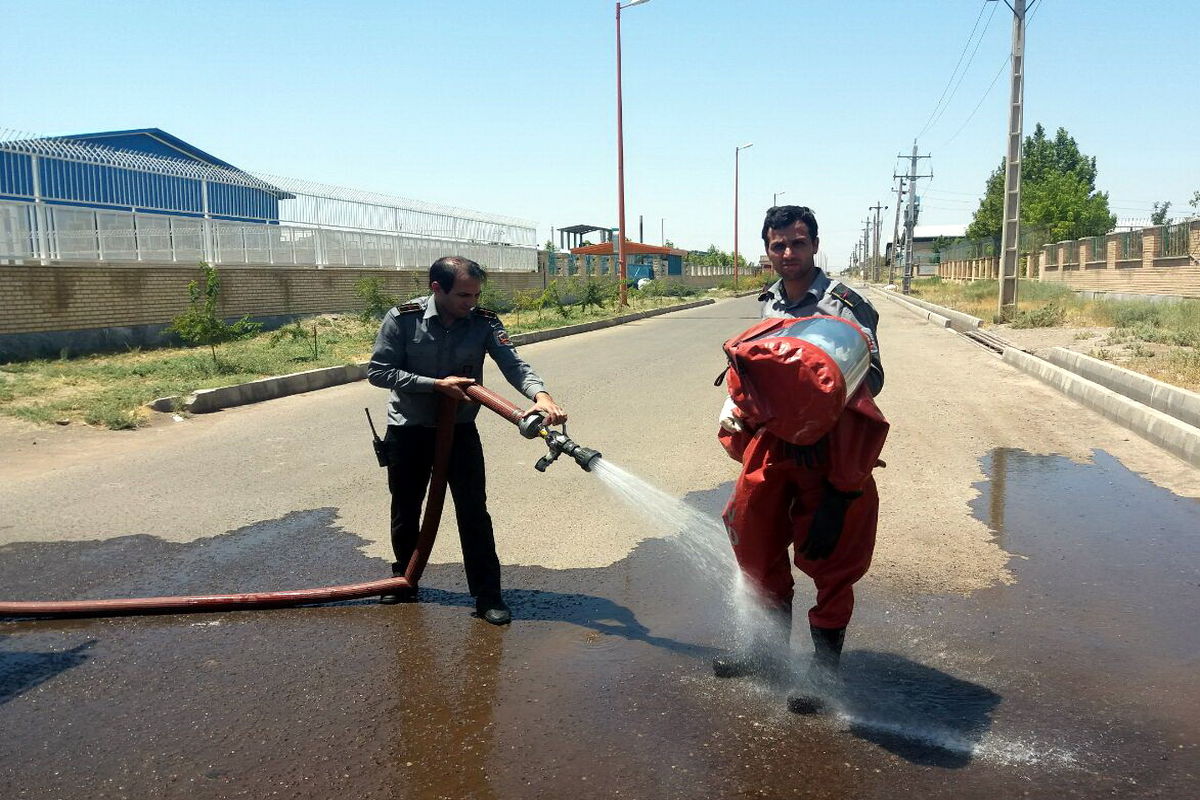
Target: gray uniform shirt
x: 832, y: 299
x: 414, y: 348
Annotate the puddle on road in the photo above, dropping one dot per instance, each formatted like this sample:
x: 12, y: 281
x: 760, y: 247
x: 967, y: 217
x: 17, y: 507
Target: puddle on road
x: 601, y: 687
x: 1133, y: 548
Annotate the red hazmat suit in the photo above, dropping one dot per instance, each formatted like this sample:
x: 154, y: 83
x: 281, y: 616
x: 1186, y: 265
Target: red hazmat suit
x: 792, y: 393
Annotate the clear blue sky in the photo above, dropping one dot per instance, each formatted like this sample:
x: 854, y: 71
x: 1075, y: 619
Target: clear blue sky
x: 510, y: 107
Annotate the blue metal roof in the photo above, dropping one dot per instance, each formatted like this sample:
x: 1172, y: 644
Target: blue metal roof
x: 153, y: 141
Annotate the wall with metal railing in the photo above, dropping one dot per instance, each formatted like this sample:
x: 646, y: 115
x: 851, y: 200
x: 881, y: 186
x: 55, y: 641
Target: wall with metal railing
x: 69, y: 201
x: 1157, y: 260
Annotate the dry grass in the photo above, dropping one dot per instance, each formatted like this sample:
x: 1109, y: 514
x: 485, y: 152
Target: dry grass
x: 1158, y: 339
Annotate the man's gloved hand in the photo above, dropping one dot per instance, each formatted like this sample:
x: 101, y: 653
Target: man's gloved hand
x: 730, y: 418
x: 827, y: 524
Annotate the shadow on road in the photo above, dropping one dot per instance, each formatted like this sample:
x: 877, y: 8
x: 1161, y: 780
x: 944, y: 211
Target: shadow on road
x: 21, y: 671
x: 917, y: 712
x: 587, y: 611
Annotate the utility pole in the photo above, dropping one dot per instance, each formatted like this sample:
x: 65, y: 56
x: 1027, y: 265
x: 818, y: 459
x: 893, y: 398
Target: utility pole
x: 1011, y: 232
x: 910, y: 215
x: 896, y: 229
x: 868, y: 271
x: 878, y: 270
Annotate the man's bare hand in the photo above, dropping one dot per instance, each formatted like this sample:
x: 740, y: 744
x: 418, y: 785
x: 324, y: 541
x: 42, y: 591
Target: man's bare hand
x: 544, y: 404
x: 453, y: 387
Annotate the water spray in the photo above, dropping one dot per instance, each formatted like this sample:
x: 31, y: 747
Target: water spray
x: 531, y: 426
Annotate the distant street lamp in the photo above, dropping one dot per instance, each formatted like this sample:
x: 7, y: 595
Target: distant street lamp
x: 736, y: 151
x: 775, y: 198
x: 621, y: 161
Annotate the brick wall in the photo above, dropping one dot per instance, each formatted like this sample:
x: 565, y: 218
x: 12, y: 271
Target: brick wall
x: 83, y: 308
x: 64, y: 298
x: 1151, y: 273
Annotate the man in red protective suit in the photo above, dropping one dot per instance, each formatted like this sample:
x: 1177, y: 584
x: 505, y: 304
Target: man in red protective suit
x: 818, y: 498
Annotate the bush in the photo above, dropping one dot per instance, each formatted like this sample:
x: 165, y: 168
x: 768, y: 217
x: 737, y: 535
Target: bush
x: 200, y: 325
x: 1047, y: 316
x: 597, y: 292
x: 496, y: 299
x: 376, y: 302
x: 526, y: 300
x: 669, y: 288
x: 748, y: 282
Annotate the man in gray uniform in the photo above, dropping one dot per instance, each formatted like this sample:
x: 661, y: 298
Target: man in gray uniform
x: 803, y: 289
x: 435, y: 346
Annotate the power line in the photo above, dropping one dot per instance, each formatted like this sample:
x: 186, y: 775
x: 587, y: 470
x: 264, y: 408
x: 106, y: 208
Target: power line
x: 971, y: 116
x: 991, y: 85
x: 968, y: 66
x: 954, y: 72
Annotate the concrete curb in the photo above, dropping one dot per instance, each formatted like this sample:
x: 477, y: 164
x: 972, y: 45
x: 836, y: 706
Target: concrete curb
x: 1165, y: 415
x: 1162, y: 429
x: 937, y: 319
x: 1171, y: 400
x: 957, y: 319
x: 584, y: 327
x: 203, y: 401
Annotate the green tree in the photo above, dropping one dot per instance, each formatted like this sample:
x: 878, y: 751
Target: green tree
x: 200, y: 324
x: 1159, y: 215
x: 1195, y: 201
x: 1058, y: 192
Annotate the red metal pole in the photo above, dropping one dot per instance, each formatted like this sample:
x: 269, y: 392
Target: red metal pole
x: 620, y: 173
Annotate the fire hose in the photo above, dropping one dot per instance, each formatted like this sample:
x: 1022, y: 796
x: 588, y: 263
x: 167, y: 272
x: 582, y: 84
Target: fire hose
x: 532, y: 426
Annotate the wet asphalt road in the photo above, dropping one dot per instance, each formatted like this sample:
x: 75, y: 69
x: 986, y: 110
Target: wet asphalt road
x: 1077, y: 680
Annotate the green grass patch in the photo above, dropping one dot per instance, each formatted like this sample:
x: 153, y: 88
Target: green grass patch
x: 112, y: 390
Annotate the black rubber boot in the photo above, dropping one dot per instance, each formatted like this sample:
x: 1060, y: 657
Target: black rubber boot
x: 491, y: 608
x: 822, y: 680
x: 408, y: 595
x: 765, y: 654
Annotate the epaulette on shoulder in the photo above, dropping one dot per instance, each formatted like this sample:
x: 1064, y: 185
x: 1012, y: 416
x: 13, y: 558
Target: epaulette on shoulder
x: 847, y: 295
x: 486, y: 312
x: 409, y: 308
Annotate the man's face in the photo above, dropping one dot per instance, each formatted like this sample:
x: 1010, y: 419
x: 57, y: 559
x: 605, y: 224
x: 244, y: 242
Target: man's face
x: 462, y: 297
x: 791, y: 250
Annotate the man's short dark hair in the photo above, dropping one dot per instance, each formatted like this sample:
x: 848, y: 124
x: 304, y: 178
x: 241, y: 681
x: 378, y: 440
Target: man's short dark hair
x: 779, y: 217
x: 447, y: 269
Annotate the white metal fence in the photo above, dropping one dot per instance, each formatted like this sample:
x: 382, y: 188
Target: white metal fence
x: 71, y: 201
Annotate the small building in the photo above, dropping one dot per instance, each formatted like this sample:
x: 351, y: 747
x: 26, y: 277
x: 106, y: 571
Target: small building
x: 663, y: 260
x: 925, y: 238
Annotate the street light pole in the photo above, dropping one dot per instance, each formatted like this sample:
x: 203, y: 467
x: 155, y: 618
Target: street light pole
x: 736, y: 151
x: 775, y: 198
x: 624, y: 301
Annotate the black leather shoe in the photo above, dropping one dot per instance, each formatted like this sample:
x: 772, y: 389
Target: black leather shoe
x: 408, y: 595
x: 493, y: 610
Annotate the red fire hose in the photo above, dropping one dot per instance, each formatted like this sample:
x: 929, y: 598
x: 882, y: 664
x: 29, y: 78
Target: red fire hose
x: 289, y: 597
x: 325, y: 594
